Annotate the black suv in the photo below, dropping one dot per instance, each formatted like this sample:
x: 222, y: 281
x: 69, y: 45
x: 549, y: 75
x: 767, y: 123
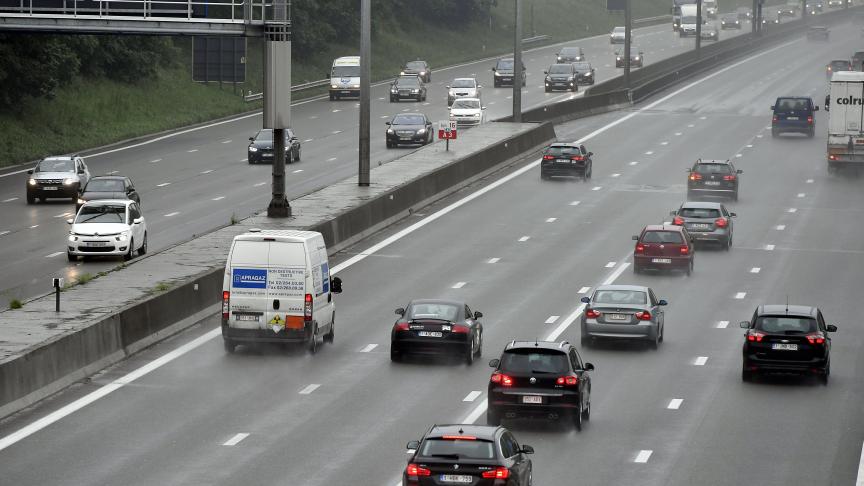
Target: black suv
x: 504, y: 74
x: 713, y: 178
x: 566, y: 159
x: 260, y: 148
x: 541, y: 379
x: 561, y: 76
x: 478, y: 455
x: 408, y: 87
x: 787, y: 339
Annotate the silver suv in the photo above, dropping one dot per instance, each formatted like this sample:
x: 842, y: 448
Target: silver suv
x: 57, y: 177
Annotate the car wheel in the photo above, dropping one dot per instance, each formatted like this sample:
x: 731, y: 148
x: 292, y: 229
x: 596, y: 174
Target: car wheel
x: 655, y: 342
x: 313, y: 341
x: 71, y: 257
x: 543, y: 176
x: 469, y: 353
x: 660, y: 339
x: 586, y: 414
x: 31, y: 198
x: 480, y: 346
x: 389, y: 145
x: 590, y: 170
x: 774, y: 133
x: 143, y: 250
x: 811, y: 133
x: 229, y: 345
x: 637, y: 269
x: 578, y: 416
x: 128, y: 255
x: 690, y: 268
x: 823, y: 378
x: 585, y: 341
x: 728, y: 244
x: 493, y: 417
x: 330, y: 336
x: 392, y: 99
x: 746, y: 375
x: 332, y: 97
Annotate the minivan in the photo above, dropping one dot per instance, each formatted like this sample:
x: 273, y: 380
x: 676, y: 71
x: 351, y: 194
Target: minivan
x: 793, y: 114
x: 277, y: 288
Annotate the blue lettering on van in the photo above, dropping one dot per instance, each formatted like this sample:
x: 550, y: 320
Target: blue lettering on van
x: 248, y: 278
x: 325, y: 278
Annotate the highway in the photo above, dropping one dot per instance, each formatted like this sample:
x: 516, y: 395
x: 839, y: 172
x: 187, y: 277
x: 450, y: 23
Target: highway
x: 525, y: 250
x: 195, y: 181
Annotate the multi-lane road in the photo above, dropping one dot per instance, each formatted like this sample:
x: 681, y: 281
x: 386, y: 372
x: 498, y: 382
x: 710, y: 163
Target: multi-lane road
x: 194, y: 181
x: 523, y: 252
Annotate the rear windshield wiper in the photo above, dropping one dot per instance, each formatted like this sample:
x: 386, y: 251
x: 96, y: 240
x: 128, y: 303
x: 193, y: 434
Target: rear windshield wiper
x: 543, y: 371
x: 415, y: 319
x: 445, y: 456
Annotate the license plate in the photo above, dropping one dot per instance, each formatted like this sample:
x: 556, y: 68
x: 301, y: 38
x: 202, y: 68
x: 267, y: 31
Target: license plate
x: 617, y: 317
x: 712, y: 183
x: 791, y: 117
x: 95, y: 243
x: 661, y: 260
x: 784, y: 347
x: 434, y: 334
x: 535, y: 399
x: 456, y: 478
x: 246, y: 317
x: 562, y: 161
x: 700, y: 226
x: 49, y: 188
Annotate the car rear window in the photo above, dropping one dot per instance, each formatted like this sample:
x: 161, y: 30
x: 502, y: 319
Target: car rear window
x: 434, y: 310
x: 713, y: 169
x: 792, y: 104
x: 786, y: 324
x: 662, y: 237
x: 463, y: 83
x: 560, y: 69
x: 699, y: 213
x: 620, y: 297
x: 409, y: 120
x: 582, y: 65
x: 105, y: 185
x: 465, y: 449
x: 416, y: 65
x: 839, y: 65
x: 408, y: 81
x: 563, y: 150
x: 534, y: 360
x: 571, y: 51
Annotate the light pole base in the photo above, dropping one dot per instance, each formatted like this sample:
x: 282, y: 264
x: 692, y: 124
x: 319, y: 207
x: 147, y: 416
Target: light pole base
x: 279, y: 209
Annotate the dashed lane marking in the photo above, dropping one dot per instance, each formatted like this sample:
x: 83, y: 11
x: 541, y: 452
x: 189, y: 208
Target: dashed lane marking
x: 675, y: 403
x: 551, y: 319
x: 769, y: 247
x: 55, y: 254
x: 596, y: 188
x: 163, y: 184
x: 236, y: 439
x: 635, y: 162
x: 722, y: 324
x: 755, y: 270
x: 10, y: 199
x: 154, y: 161
x: 700, y: 361
x: 551, y: 220
x: 2, y: 233
x: 781, y: 227
x: 297, y: 171
x: 219, y: 198
x: 574, y: 203
x: 259, y: 184
x: 175, y: 213
x: 192, y: 151
x: 227, y: 141
x: 583, y: 290
x: 801, y: 194
x: 610, y: 265
x: 740, y: 295
x: 309, y: 389
x: 792, y: 210
x: 615, y: 175
x: 458, y: 285
x: 368, y: 348
x: 494, y: 260
x: 207, y: 171
x: 643, y: 456
x: 472, y: 396
x: 524, y: 238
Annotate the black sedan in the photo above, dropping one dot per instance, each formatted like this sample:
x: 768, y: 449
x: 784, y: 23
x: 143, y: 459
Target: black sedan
x: 407, y: 88
x: 567, y: 159
x: 636, y: 57
x: 730, y: 21
x: 585, y: 72
x: 717, y: 178
x: 261, y: 147
x: 433, y: 327
x: 107, y: 187
x: 706, y: 221
x: 418, y: 68
x: 410, y: 128
x: 476, y: 455
x: 787, y: 339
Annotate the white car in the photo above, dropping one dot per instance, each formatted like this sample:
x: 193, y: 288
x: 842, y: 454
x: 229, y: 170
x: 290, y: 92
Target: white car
x: 467, y: 112
x: 617, y: 35
x: 107, y: 227
x: 463, y: 88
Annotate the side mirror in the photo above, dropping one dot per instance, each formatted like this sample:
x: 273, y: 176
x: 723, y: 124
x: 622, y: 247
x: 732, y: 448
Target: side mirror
x: 494, y: 363
x: 30, y: 171
x: 479, y: 86
x: 589, y: 367
x: 400, y: 312
x: 68, y: 221
x: 478, y: 315
x: 772, y: 107
x: 590, y: 154
x: 493, y: 70
x: 733, y: 215
x: 744, y: 324
x: 832, y: 328
x: 137, y: 220
x: 482, y: 107
x: 527, y: 449
x: 448, y: 86
x: 816, y: 108
x: 387, y: 123
x: 673, y: 213
x: 335, y: 285
x: 635, y: 237
x: 739, y: 171
x: 251, y: 139
x: 662, y: 302
x: 413, y: 445
x: 545, y: 72
x: 585, y: 300
x: 688, y: 169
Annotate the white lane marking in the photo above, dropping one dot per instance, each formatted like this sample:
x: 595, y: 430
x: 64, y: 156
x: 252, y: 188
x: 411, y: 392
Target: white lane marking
x: 155, y: 161
x: 769, y: 247
x: 163, y: 184
x: 700, y: 361
x: 596, y: 188
x: 610, y: 264
x: 801, y: 194
x: 574, y: 203
x: 259, y: 184
x: 10, y: 199
x: 472, y: 396
x: 308, y: 140
x: 385, y: 116
x: 551, y: 220
x: 740, y: 295
x: 583, y: 290
x: 479, y: 410
x: 335, y: 111
x: 691, y: 125
x: 494, y: 260
x: 34, y: 226
x: 635, y: 162
x: 664, y: 143
x: 192, y: 151
x: 218, y: 198
x: 82, y: 402
x: 243, y: 160
x: 860, y: 480
x: 237, y: 438
x: 749, y: 145
x: 58, y: 253
x: 643, y: 456
x: 525, y: 238
x: 458, y: 285
x: 337, y: 132
x: 675, y: 403
x: 297, y: 171
x: 809, y: 181
x: 63, y: 215
x: 175, y: 213
x: 309, y: 389
x: 227, y: 141
x: 759, y: 136
x: 368, y: 348
x: 313, y: 117
x: 703, y: 117
x: 677, y: 134
x: 792, y: 210
x: 722, y: 324
x: 755, y: 270
x: 551, y: 319
x: 739, y: 155
x: 4, y: 233
x: 781, y: 227
x: 331, y: 159
x: 207, y: 171
x: 615, y: 175
x: 650, y: 152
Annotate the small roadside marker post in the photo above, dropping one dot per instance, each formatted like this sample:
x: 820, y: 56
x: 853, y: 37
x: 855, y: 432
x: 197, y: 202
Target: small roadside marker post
x: 57, y: 283
x: 447, y: 131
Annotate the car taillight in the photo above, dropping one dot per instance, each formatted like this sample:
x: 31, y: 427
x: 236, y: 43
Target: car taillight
x: 685, y: 250
x: 832, y: 157
x: 810, y: 120
x: 226, y: 300
x: 307, y: 308
x: 694, y: 176
x: 548, y: 157
x: 401, y: 326
x: 567, y: 380
x: 592, y: 314
x: 415, y: 471
x: 497, y: 473
x: 816, y: 338
x: 755, y: 336
x: 501, y: 379
x: 729, y: 177
x: 774, y: 120
x: 678, y: 221
x: 459, y: 329
x: 721, y: 222
x: 640, y: 248
x: 576, y: 157
x: 643, y: 316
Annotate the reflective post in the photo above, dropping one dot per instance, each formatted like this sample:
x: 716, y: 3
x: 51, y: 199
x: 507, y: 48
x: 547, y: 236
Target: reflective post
x: 517, y: 64
x: 365, y: 73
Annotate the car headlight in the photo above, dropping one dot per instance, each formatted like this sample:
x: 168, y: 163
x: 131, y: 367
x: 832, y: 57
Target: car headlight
x: 253, y: 149
x: 121, y: 237
x: 334, y: 86
x: 559, y: 59
x: 68, y: 181
x: 415, y: 90
x: 497, y: 73
x: 636, y: 58
x: 618, y: 58
x: 81, y: 201
x: 422, y: 73
x: 394, y: 90
x: 32, y: 182
x: 355, y: 85
x: 401, y: 73
x: 422, y: 131
x: 589, y: 74
x: 72, y: 237
x: 390, y: 131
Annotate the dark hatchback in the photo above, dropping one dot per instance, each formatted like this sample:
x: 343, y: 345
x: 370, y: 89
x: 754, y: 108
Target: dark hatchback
x: 837, y: 65
x: 436, y: 327
x: 794, y: 115
x: 663, y: 247
x: 107, y: 187
x: 407, y: 88
x: 787, y: 339
x: 503, y: 73
x: 570, y: 54
x: 476, y: 455
x: 717, y: 178
x: 706, y: 221
x: 409, y: 128
x: 566, y: 159
x: 261, y: 147
x: 561, y: 77
x: 539, y: 379
x: 730, y: 21
x: 585, y: 72
x: 637, y: 59
x: 419, y: 68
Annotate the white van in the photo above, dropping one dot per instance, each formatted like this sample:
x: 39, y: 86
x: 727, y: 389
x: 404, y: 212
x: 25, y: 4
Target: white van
x: 345, y: 77
x: 277, y: 289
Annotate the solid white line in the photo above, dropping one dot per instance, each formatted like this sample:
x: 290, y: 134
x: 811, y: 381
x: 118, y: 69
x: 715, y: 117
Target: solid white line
x: 54, y: 254
x: 574, y: 203
x: 192, y: 151
x: 722, y: 324
x: 583, y: 290
x: 218, y: 198
x: 860, y: 480
x: 801, y: 194
x: 163, y: 184
x: 792, y: 210
x: 4, y: 233
x: 10, y: 199
x: 755, y: 270
x: 368, y: 348
x: 259, y: 184
x: 551, y: 220
x: 781, y: 227
x: 769, y: 247
x: 596, y: 188
x: 472, y: 396
x: 458, y: 285
x: 175, y: 213
x: 82, y: 402
x: 207, y: 171
x: 740, y: 295
x: 675, y: 403
x: 610, y: 264
x: 236, y: 439
x: 525, y: 238
x: 643, y: 456
x: 700, y: 361
x: 479, y: 410
x: 309, y: 389
x: 551, y: 319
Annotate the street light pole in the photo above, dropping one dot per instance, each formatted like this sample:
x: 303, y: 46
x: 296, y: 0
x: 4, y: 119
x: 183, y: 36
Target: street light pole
x: 698, y: 28
x: 517, y: 64
x: 277, y: 99
x: 628, y: 33
x: 365, y: 74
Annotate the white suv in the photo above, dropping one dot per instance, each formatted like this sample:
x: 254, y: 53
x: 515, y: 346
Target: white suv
x: 107, y: 227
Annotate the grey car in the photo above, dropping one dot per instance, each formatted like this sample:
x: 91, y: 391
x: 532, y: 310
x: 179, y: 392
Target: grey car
x: 623, y: 312
x: 706, y: 221
x: 57, y: 177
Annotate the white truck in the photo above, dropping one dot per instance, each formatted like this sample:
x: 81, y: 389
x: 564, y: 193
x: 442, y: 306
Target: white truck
x: 676, y: 12
x: 845, y: 119
x: 710, y: 8
x: 345, y: 77
x: 688, y: 21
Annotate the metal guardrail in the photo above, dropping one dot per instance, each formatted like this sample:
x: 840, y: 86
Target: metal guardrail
x: 536, y: 38
x: 651, y: 20
x: 298, y: 87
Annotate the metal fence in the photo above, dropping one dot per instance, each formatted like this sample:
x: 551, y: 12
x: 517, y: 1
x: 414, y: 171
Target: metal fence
x: 212, y: 11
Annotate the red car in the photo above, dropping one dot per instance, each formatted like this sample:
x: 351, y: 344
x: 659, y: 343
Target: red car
x: 662, y: 247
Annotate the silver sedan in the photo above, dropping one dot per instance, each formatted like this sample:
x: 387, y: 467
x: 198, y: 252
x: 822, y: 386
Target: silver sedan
x: 623, y: 312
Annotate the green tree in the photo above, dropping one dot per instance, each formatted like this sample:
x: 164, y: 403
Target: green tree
x: 33, y: 66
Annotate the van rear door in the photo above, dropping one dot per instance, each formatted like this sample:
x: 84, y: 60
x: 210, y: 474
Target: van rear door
x: 286, y: 285
x: 248, y: 273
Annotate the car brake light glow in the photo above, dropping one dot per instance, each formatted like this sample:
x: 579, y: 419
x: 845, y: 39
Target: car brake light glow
x: 592, y: 314
x: 459, y: 329
x: 832, y: 157
x: 678, y: 221
x: 640, y: 248
x: 721, y: 222
x: 810, y: 120
x: 307, y: 308
x: 643, y: 316
x: 548, y: 157
x: 401, y: 326
x: 774, y: 120
x: 730, y: 177
x: 685, y: 250
x: 755, y: 336
x: 497, y: 473
x: 415, y: 471
x: 567, y: 380
x: 694, y: 176
x: 576, y: 157
x: 816, y: 338
x: 459, y: 437
x: 502, y: 379
x: 226, y: 299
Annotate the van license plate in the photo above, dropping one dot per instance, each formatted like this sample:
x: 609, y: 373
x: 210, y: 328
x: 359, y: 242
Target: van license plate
x: 784, y: 347
x: 434, y: 334
x: 246, y: 317
x: 661, y: 260
x: 456, y: 478
x: 535, y: 399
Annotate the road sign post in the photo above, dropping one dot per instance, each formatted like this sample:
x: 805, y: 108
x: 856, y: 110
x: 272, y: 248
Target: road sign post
x: 447, y: 131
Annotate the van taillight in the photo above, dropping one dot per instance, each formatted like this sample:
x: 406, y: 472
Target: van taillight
x: 226, y: 300
x: 307, y: 308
